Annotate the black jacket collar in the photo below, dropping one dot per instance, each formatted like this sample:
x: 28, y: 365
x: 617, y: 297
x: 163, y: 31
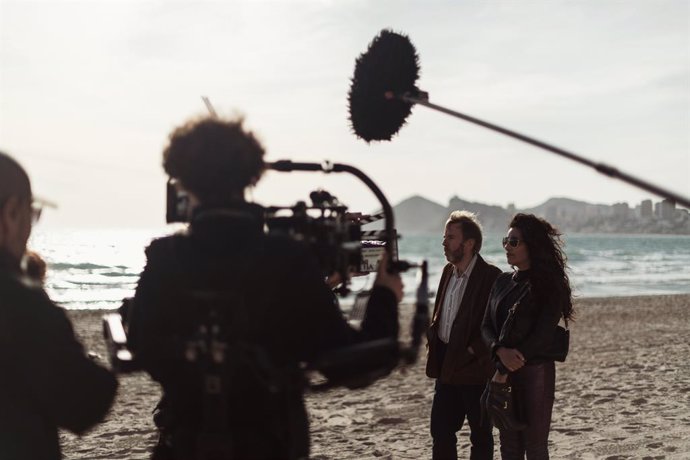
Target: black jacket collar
x: 236, y: 220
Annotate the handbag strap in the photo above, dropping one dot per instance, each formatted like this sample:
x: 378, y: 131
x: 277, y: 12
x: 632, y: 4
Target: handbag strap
x: 523, y: 293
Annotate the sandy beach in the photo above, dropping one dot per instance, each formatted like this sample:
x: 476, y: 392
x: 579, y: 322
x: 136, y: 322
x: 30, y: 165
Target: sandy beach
x: 623, y: 393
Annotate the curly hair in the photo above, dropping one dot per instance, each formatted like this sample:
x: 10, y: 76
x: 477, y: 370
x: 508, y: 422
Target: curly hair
x: 548, y: 262
x: 215, y: 159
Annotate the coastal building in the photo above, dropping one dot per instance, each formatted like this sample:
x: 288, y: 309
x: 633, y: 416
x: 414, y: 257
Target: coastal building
x: 646, y: 209
x: 621, y: 210
x: 668, y: 210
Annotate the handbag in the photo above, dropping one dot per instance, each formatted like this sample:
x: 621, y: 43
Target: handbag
x: 497, y: 403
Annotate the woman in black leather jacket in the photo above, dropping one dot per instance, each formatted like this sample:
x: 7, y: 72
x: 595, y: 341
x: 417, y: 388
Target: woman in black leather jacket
x: 522, y: 340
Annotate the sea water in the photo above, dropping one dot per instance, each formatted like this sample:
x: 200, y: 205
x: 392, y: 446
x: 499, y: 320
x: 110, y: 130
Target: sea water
x: 96, y: 269
x: 600, y: 265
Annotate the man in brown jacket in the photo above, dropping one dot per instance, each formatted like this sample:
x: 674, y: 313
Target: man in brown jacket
x: 458, y: 358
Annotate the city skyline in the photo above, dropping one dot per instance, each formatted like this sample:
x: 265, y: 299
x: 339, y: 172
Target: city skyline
x: 418, y: 214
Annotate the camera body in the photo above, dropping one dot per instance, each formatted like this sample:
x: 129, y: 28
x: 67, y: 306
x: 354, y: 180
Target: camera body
x: 334, y: 235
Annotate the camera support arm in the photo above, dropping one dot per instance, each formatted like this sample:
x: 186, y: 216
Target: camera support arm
x: 328, y: 167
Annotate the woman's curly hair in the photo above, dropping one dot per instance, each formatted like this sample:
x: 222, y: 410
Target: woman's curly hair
x: 213, y: 158
x: 548, y: 262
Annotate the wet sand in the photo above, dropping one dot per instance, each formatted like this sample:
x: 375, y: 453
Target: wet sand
x: 623, y: 393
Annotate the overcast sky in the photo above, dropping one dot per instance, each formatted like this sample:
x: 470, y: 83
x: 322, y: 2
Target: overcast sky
x: 90, y: 90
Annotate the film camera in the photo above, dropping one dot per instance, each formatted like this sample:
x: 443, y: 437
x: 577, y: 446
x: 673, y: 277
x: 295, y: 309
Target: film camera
x: 334, y: 235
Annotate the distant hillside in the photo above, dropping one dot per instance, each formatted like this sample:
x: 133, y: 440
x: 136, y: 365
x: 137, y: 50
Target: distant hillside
x: 492, y: 217
x: 417, y: 214
x: 559, y: 207
x: 421, y: 215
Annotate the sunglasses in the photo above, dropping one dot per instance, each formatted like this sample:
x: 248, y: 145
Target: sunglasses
x: 36, y: 206
x: 36, y: 210
x: 512, y: 242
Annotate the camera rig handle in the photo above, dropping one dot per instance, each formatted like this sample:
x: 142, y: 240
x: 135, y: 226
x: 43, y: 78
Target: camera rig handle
x: 420, y: 320
x: 395, y: 266
x: 115, y: 336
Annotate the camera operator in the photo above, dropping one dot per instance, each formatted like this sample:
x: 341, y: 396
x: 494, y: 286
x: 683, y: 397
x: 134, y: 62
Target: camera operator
x: 263, y: 296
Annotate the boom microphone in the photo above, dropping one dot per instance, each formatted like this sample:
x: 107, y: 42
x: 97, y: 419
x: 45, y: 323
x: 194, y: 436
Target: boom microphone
x: 384, y: 90
x: 389, y: 65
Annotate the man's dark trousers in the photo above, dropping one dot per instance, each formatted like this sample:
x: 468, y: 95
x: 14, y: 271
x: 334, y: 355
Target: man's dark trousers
x: 452, y: 403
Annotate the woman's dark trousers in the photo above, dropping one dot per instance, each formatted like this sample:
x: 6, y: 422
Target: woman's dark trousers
x: 533, y: 392
x: 452, y: 403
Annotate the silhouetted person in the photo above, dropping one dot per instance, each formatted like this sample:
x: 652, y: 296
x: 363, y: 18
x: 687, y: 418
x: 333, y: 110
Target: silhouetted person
x: 46, y: 380
x: 260, y: 299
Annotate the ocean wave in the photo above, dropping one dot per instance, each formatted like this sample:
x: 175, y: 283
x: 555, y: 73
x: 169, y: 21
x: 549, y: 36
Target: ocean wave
x: 120, y: 274
x: 61, y: 289
x: 92, y: 284
x: 90, y: 305
x: 77, y: 266
x: 112, y: 293
x: 643, y: 279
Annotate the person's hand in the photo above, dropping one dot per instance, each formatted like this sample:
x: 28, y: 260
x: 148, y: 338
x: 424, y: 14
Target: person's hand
x: 35, y: 266
x: 499, y: 378
x: 334, y: 280
x: 390, y: 280
x: 511, y: 358
x: 470, y: 349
